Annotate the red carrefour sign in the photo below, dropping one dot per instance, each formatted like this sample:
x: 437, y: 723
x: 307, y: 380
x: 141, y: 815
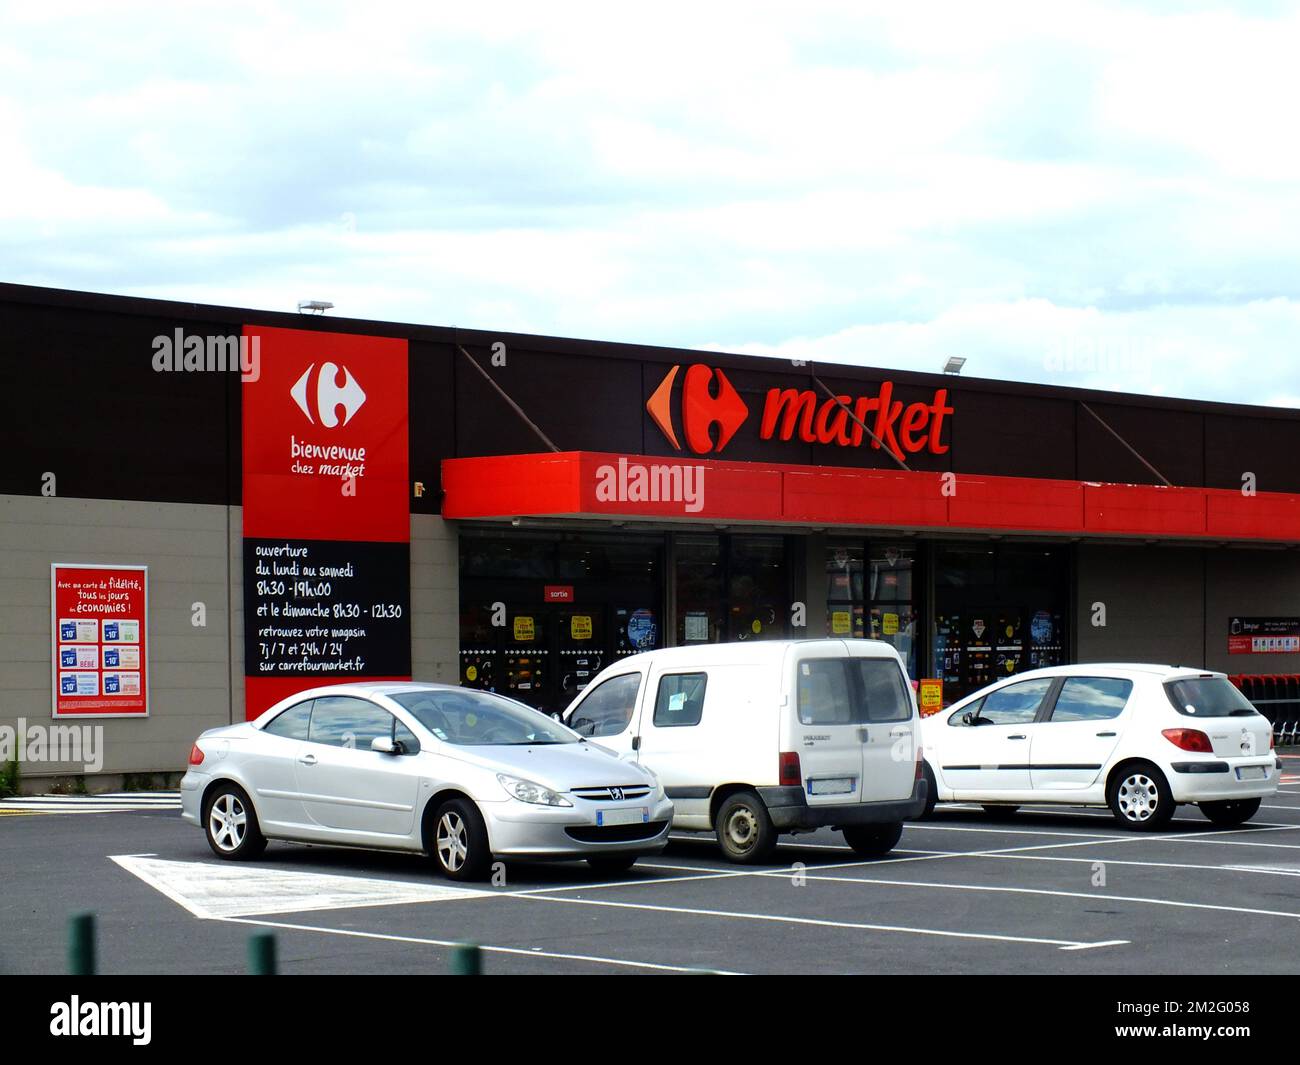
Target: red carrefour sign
x: 902, y: 428
x: 325, y: 437
x: 326, y: 516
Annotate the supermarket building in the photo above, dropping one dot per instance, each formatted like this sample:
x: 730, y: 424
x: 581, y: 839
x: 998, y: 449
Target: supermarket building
x: 207, y: 508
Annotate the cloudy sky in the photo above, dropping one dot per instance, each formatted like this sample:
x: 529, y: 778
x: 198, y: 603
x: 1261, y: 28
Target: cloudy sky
x: 1083, y: 194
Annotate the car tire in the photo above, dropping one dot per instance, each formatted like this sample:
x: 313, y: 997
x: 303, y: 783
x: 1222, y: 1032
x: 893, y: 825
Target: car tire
x: 745, y: 830
x: 873, y: 841
x: 931, y: 791
x: 612, y: 864
x: 995, y: 810
x: 1140, y: 798
x: 459, y: 841
x: 230, y: 824
x: 1231, y: 811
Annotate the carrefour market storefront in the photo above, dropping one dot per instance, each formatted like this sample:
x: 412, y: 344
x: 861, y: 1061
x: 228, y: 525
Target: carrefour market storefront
x: 265, y: 502
x: 568, y: 602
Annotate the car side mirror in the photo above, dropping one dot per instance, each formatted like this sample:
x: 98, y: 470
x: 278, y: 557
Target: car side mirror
x: 556, y: 715
x: 968, y: 718
x: 385, y: 745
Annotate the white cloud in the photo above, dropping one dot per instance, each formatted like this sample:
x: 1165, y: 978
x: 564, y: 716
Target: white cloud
x: 1004, y: 181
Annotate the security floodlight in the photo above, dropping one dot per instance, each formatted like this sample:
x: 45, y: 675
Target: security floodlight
x: 314, y: 306
x: 954, y: 364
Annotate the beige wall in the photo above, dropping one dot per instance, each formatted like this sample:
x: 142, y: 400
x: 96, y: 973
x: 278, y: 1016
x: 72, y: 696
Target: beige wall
x: 1158, y: 608
x: 189, y: 668
x: 435, y: 600
x: 194, y: 554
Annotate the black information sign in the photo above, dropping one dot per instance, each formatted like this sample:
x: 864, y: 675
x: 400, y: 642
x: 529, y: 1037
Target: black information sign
x: 326, y: 608
x: 1263, y: 635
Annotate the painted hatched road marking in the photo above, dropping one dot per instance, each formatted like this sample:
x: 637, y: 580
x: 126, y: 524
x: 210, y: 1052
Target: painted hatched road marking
x: 220, y: 890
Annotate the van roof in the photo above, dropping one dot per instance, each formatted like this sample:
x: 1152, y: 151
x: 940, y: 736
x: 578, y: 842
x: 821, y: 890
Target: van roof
x: 743, y: 652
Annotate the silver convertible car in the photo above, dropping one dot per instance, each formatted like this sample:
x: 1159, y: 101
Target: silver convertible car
x: 462, y: 775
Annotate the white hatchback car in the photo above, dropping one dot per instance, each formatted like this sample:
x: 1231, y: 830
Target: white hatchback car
x: 1138, y: 738
x: 462, y: 775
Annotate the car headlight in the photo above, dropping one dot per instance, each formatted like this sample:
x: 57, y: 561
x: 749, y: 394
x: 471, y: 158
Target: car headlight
x: 528, y: 791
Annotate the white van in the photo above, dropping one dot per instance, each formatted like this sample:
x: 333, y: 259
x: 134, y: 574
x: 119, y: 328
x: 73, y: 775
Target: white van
x: 754, y: 739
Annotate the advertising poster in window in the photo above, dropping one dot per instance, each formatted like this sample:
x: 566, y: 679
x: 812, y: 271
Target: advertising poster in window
x: 99, y: 616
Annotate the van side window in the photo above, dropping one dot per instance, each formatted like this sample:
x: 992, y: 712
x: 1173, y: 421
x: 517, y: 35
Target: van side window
x: 680, y: 700
x: 882, y: 687
x: 852, y: 691
x: 824, y: 692
x: 608, y: 709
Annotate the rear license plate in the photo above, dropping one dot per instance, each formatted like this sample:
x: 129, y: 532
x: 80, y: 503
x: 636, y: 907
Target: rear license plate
x: 832, y: 786
x: 1252, y: 772
x: 636, y: 816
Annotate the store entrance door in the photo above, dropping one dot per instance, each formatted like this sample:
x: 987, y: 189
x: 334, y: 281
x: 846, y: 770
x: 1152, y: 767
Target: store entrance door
x: 581, y: 649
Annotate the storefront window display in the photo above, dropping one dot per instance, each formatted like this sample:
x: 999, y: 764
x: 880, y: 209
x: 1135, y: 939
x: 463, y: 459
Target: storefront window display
x: 1000, y: 610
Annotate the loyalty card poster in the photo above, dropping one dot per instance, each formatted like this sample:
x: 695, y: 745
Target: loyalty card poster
x: 100, y: 625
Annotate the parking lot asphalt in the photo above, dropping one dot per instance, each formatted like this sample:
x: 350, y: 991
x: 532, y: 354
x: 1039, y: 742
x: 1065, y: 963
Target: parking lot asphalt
x: 1049, y: 890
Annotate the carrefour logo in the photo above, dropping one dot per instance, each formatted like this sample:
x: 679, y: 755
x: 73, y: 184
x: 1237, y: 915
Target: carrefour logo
x: 322, y: 403
x: 701, y: 409
x: 844, y: 420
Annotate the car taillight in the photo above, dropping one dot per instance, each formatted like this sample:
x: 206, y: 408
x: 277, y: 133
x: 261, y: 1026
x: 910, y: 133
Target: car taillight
x: 196, y: 755
x: 1270, y: 739
x: 1188, y: 739
x: 920, y: 761
x: 791, y: 774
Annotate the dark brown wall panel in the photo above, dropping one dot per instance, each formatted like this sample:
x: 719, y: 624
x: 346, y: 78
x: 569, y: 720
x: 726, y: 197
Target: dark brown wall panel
x: 1172, y: 441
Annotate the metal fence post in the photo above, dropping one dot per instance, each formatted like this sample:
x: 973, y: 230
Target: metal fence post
x: 81, y: 944
x: 261, y: 954
x: 466, y: 960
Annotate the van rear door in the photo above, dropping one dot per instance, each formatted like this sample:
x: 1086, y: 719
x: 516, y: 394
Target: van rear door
x: 853, y: 728
x: 890, y: 729
x: 822, y: 729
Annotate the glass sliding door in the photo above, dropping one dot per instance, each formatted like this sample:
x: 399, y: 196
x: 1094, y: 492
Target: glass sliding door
x: 874, y: 592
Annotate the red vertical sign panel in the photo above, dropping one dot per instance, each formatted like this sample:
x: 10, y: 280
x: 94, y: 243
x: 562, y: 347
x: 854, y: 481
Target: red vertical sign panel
x: 326, y: 511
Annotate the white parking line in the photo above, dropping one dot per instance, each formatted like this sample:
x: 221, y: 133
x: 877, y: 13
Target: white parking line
x: 1061, y: 944
x: 1002, y: 889
x: 1275, y: 870
x: 488, y: 949
x: 928, y: 827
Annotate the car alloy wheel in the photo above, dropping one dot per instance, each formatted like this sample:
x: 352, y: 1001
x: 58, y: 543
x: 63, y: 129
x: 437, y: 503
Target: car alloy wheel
x: 1138, y: 798
x: 452, y: 841
x: 227, y: 822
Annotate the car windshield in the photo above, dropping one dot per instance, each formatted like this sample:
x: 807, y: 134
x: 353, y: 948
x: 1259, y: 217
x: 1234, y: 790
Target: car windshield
x: 1208, y: 697
x: 475, y: 719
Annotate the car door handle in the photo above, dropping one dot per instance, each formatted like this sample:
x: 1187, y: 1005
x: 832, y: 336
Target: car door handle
x: 1105, y: 734
x: 1017, y: 736
x: 308, y: 759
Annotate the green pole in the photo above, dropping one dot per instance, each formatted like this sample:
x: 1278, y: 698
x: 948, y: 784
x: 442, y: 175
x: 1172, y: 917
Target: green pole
x: 466, y: 960
x: 261, y: 954
x: 81, y: 944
